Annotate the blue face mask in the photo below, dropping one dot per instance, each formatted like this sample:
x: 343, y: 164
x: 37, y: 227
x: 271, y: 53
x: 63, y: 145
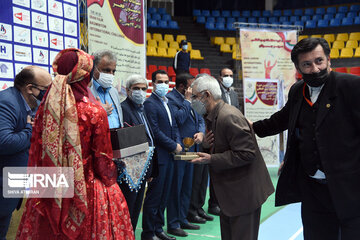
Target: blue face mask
x: 162, y: 89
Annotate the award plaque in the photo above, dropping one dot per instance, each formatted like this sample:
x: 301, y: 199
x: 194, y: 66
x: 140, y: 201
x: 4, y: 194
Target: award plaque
x: 187, y: 156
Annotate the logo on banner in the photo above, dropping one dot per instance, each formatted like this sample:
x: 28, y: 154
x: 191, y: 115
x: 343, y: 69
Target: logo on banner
x: 288, y: 46
x: 99, y: 2
x: 22, y: 35
x: 129, y: 17
x: 2, y: 30
x: 56, y: 42
x: 5, y: 32
x: 55, y: 8
x: 21, y: 16
x: 3, y: 68
x: 267, y: 92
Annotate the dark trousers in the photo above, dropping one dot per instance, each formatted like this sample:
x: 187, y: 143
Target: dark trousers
x: 199, y: 186
x: 156, y: 200
x: 243, y: 227
x: 180, y: 194
x: 134, y: 201
x: 213, y: 202
x: 319, y: 218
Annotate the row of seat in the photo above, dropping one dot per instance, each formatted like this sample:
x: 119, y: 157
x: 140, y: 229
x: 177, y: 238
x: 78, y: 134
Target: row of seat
x: 165, y: 44
x: 331, y: 37
x: 277, y: 13
x: 170, y: 70
x: 351, y: 70
x: 170, y: 52
x: 151, y: 23
x: 157, y: 16
x: 167, y: 37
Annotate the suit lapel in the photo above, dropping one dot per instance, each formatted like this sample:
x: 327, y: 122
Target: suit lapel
x: 134, y: 111
x: 161, y: 105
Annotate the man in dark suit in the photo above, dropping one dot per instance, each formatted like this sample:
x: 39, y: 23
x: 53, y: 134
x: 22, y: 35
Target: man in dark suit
x: 238, y: 171
x: 190, y: 125
x: 167, y: 141
x: 321, y: 167
x: 134, y: 114
x: 18, y: 106
x: 229, y: 96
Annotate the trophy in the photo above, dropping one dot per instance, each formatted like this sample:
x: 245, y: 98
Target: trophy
x: 186, y: 155
x: 188, y: 143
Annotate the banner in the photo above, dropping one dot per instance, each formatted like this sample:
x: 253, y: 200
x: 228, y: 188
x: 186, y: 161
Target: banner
x: 119, y: 26
x: 32, y: 32
x: 266, y: 65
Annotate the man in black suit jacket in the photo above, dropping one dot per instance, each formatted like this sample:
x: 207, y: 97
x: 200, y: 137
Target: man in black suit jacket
x: 134, y: 114
x: 322, y: 162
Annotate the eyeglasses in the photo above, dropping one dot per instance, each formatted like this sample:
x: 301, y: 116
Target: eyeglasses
x: 193, y: 97
x: 137, y: 88
x: 39, y: 86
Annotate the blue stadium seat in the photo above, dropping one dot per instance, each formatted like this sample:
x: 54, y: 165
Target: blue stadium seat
x: 220, y: 26
x: 357, y: 20
x: 342, y: 9
x: 196, y: 12
x: 205, y: 13
x: 294, y: 18
x: 173, y: 25
x: 151, y: 10
x: 235, y: 13
x: 242, y: 19
x: 152, y: 23
x: 252, y: 20
x: 328, y: 16
x: 166, y: 17
x: 210, y: 19
x: 335, y: 22
x: 229, y: 26
x: 354, y: 8
x: 317, y: 17
x: 351, y: 14
x: 163, y: 24
x: 340, y: 15
x: 262, y: 20
x: 148, y: 16
x: 226, y: 13
x: 299, y: 23
x: 323, y: 23
x: 256, y: 13
x: 266, y: 13
x: 220, y: 20
x: 331, y: 10
x: 283, y: 19
x: 273, y: 19
x: 320, y: 11
x: 287, y: 12
x: 162, y: 11
x: 347, y: 21
x: 200, y: 19
x: 210, y: 26
x: 246, y: 13
x: 309, y: 11
x: 277, y: 13
x: 286, y: 23
x: 298, y: 12
x: 215, y: 13
x: 156, y: 16
x: 310, y: 24
x: 230, y: 20
x: 305, y: 18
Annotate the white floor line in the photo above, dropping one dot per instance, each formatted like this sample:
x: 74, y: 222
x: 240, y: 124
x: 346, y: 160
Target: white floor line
x: 293, y: 237
x: 204, y: 235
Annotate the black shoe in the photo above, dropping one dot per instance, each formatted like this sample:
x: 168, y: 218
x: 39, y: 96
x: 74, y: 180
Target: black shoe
x: 189, y: 226
x: 214, y: 210
x: 177, y: 232
x: 150, y: 238
x: 196, y: 219
x: 164, y: 236
x: 206, y: 216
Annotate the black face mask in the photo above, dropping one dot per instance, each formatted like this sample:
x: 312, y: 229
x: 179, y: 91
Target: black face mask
x: 41, y: 95
x: 316, y: 79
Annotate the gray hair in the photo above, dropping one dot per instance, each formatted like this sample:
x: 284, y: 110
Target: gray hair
x: 206, y: 82
x: 135, y: 79
x: 98, y: 55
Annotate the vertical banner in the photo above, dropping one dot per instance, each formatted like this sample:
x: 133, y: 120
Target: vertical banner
x: 32, y: 32
x: 119, y: 26
x: 266, y: 66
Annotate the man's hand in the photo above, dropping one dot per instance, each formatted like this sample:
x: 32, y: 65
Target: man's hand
x: 108, y: 107
x: 30, y: 120
x: 178, y: 149
x: 198, y: 137
x: 209, y: 140
x: 188, y: 93
x: 204, y: 158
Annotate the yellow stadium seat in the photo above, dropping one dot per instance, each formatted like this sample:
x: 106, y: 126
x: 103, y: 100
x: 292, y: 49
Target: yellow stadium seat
x: 357, y: 52
x: 316, y: 36
x: 151, y: 51
x: 162, y: 52
x: 301, y: 37
x: 329, y: 37
x: 225, y: 48
x: 152, y: 43
x: 148, y: 36
x: 195, y: 54
x: 338, y: 44
x: 351, y: 44
x: 234, y: 47
x: 354, y: 36
x: 346, y: 53
x: 235, y: 56
x: 171, y: 52
x: 180, y: 37
x: 169, y: 38
x: 219, y: 40
x: 334, y: 53
x: 342, y: 37
x: 174, y: 45
x: 189, y: 46
x: 157, y: 36
x: 230, y: 40
x: 163, y: 44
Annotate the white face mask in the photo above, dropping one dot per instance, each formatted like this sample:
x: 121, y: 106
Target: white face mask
x: 227, y: 81
x: 106, y: 80
x: 185, y: 47
x: 138, y: 96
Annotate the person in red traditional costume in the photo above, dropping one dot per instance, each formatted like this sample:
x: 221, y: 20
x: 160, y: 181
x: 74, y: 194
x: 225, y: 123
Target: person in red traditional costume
x: 71, y: 130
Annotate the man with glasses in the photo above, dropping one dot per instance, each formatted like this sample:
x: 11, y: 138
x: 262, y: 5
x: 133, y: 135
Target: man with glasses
x: 102, y: 86
x: 18, y: 106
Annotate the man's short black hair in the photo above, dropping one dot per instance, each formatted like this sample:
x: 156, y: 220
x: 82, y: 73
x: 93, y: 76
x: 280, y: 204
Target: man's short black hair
x: 153, y: 76
x: 182, y: 78
x: 307, y: 45
x: 24, y: 77
x: 183, y: 42
x: 223, y: 69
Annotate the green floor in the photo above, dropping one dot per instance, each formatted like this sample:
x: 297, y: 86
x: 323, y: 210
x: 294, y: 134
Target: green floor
x: 210, y: 230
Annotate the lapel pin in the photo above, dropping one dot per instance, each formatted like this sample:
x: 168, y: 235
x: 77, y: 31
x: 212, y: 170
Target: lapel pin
x: 328, y: 105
